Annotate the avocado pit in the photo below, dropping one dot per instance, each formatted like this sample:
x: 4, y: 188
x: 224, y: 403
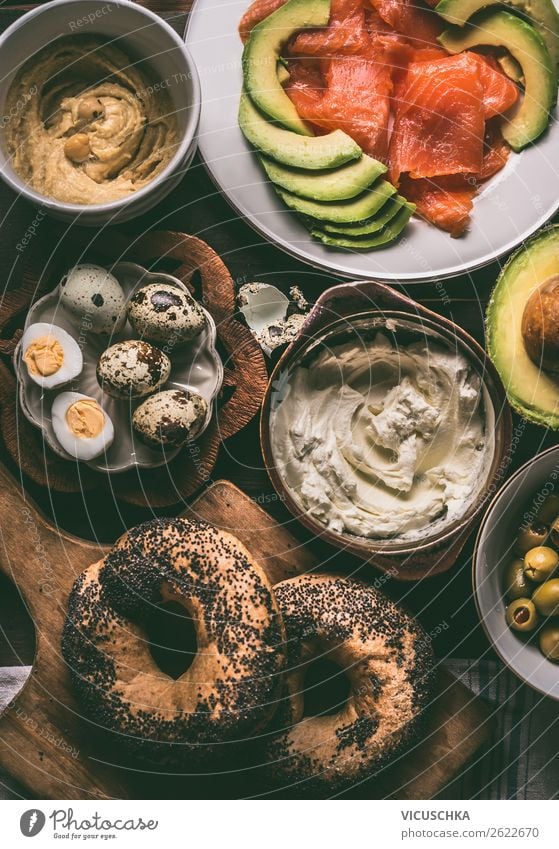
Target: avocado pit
x: 540, y: 325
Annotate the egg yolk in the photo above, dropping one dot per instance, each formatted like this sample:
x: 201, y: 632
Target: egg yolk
x: 44, y: 356
x: 85, y: 418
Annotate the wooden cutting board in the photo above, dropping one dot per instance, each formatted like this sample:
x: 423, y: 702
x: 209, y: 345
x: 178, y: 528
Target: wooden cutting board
x: 51, y: 750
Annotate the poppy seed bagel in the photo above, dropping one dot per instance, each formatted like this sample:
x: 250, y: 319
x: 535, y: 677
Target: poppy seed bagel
x: 229, y: 692
x: 388, y: 661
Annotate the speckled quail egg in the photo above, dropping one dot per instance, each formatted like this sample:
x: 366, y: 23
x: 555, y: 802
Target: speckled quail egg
x: 81, y: 425
x: 132, y: 369
x: 165, y: 314
x: 52, y: 357
x: 170, y: 418
x: 96, y: 296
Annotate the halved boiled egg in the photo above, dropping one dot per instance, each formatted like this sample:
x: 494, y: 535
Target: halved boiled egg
x: 81, y: 425
x: 52, y: 357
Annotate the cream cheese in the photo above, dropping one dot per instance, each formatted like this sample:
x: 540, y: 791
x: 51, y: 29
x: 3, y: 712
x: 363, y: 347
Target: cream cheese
x: 382, y: 441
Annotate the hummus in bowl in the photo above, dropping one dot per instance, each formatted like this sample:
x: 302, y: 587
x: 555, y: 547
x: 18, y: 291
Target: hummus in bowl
x: 381, y: 433
x: 96, y: 127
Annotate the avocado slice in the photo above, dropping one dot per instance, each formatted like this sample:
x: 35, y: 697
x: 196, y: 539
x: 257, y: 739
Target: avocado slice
x: 262, y: 53
x: 532, y: 392
x: 541, y: 13
x: 501, y: 29
x: 511, y: 68
x: 386, y: 235
x: 311, y: 152
x: 334, y: 184
x: 390, y: 209
x: 341, y: 212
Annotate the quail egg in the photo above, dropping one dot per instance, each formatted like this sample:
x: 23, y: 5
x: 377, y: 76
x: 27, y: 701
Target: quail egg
x: 170, y: 418
x: 52, y: 357
x: 165, y: 314
x: 132, y: 369
x: 81, y: 425
x: 96, y: 296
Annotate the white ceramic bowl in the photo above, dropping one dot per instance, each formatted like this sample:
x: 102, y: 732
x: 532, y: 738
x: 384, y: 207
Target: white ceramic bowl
x: 512, y: 505
x: 146, y: 37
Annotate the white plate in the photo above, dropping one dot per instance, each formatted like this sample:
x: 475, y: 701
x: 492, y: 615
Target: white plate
x: 196, y: 367
x: 510, y: 207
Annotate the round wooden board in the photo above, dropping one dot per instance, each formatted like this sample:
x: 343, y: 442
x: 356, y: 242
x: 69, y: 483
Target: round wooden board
x: 199, y: 267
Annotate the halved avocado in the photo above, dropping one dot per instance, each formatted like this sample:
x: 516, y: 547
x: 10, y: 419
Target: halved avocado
x: 541, y: 13
x: 311, y: 152
x: 341, y: 212
x: 388, y: 234
x: 501, y: 29
x: 532, y: 392
x: 262, y: 52
x: 335, y: 184
x: 389, y: 211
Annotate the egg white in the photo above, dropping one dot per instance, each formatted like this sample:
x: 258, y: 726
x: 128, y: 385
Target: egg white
x: 81, y: 449
x: 72, y: 363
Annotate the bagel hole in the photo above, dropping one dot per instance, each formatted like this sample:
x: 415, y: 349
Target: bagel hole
x: 326, y: 688
x: 172, y: 638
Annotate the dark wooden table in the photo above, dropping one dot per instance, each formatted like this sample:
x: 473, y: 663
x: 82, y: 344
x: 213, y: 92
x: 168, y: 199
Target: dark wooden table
x: 196, y: 207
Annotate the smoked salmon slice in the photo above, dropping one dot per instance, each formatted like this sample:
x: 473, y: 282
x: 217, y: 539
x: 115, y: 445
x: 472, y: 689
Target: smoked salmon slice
x: 411, y: 18
x: 439, y: 122
x: 345, y: 34
x: 365, y: 115
x: 446, y: 207
x: 499, y: 92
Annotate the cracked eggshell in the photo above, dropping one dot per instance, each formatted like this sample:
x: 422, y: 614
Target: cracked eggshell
x: 170, y: 418
x: 165, y: 314
x: 132, y: 369
x: 268, y: 313
x: 95, y: 295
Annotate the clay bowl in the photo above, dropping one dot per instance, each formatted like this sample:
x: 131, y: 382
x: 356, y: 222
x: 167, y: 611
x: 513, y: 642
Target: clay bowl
x: 359, y: 307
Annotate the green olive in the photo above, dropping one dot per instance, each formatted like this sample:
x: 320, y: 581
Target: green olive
x: 549, y: 642
x: 540, y: 563
x: 546, y: 598
x: 549, y: 509
x: 530, y: 537
x: 521, y: 615
x: 554, y: 533
x: 517, y: 585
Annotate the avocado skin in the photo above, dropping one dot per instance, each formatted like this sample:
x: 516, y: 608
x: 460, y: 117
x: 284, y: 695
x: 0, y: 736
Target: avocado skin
x: 543, y: 243
x: 502, y: 29
x: 311, y: 152
x: 542, y: 14
x: 385, y: 236
x: 262, y: 52
x: 341, y: 212
x: 342, y: 183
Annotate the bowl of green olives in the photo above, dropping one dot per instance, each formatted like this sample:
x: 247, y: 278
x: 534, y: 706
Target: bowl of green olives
x: 516, y: 573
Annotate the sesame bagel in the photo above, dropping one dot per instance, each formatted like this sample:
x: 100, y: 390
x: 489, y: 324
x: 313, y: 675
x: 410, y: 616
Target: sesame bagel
x: 230, y: 690
x: 388, y: 662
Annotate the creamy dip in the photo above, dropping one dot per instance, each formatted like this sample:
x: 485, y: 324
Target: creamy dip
x: 382, y: 441
x: 86, y: 124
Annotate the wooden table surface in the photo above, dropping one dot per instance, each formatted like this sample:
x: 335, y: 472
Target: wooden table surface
x: 443, y: 604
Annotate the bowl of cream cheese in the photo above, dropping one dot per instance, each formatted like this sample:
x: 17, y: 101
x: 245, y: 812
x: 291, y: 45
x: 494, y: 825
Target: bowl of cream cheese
x: 385, y: 429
